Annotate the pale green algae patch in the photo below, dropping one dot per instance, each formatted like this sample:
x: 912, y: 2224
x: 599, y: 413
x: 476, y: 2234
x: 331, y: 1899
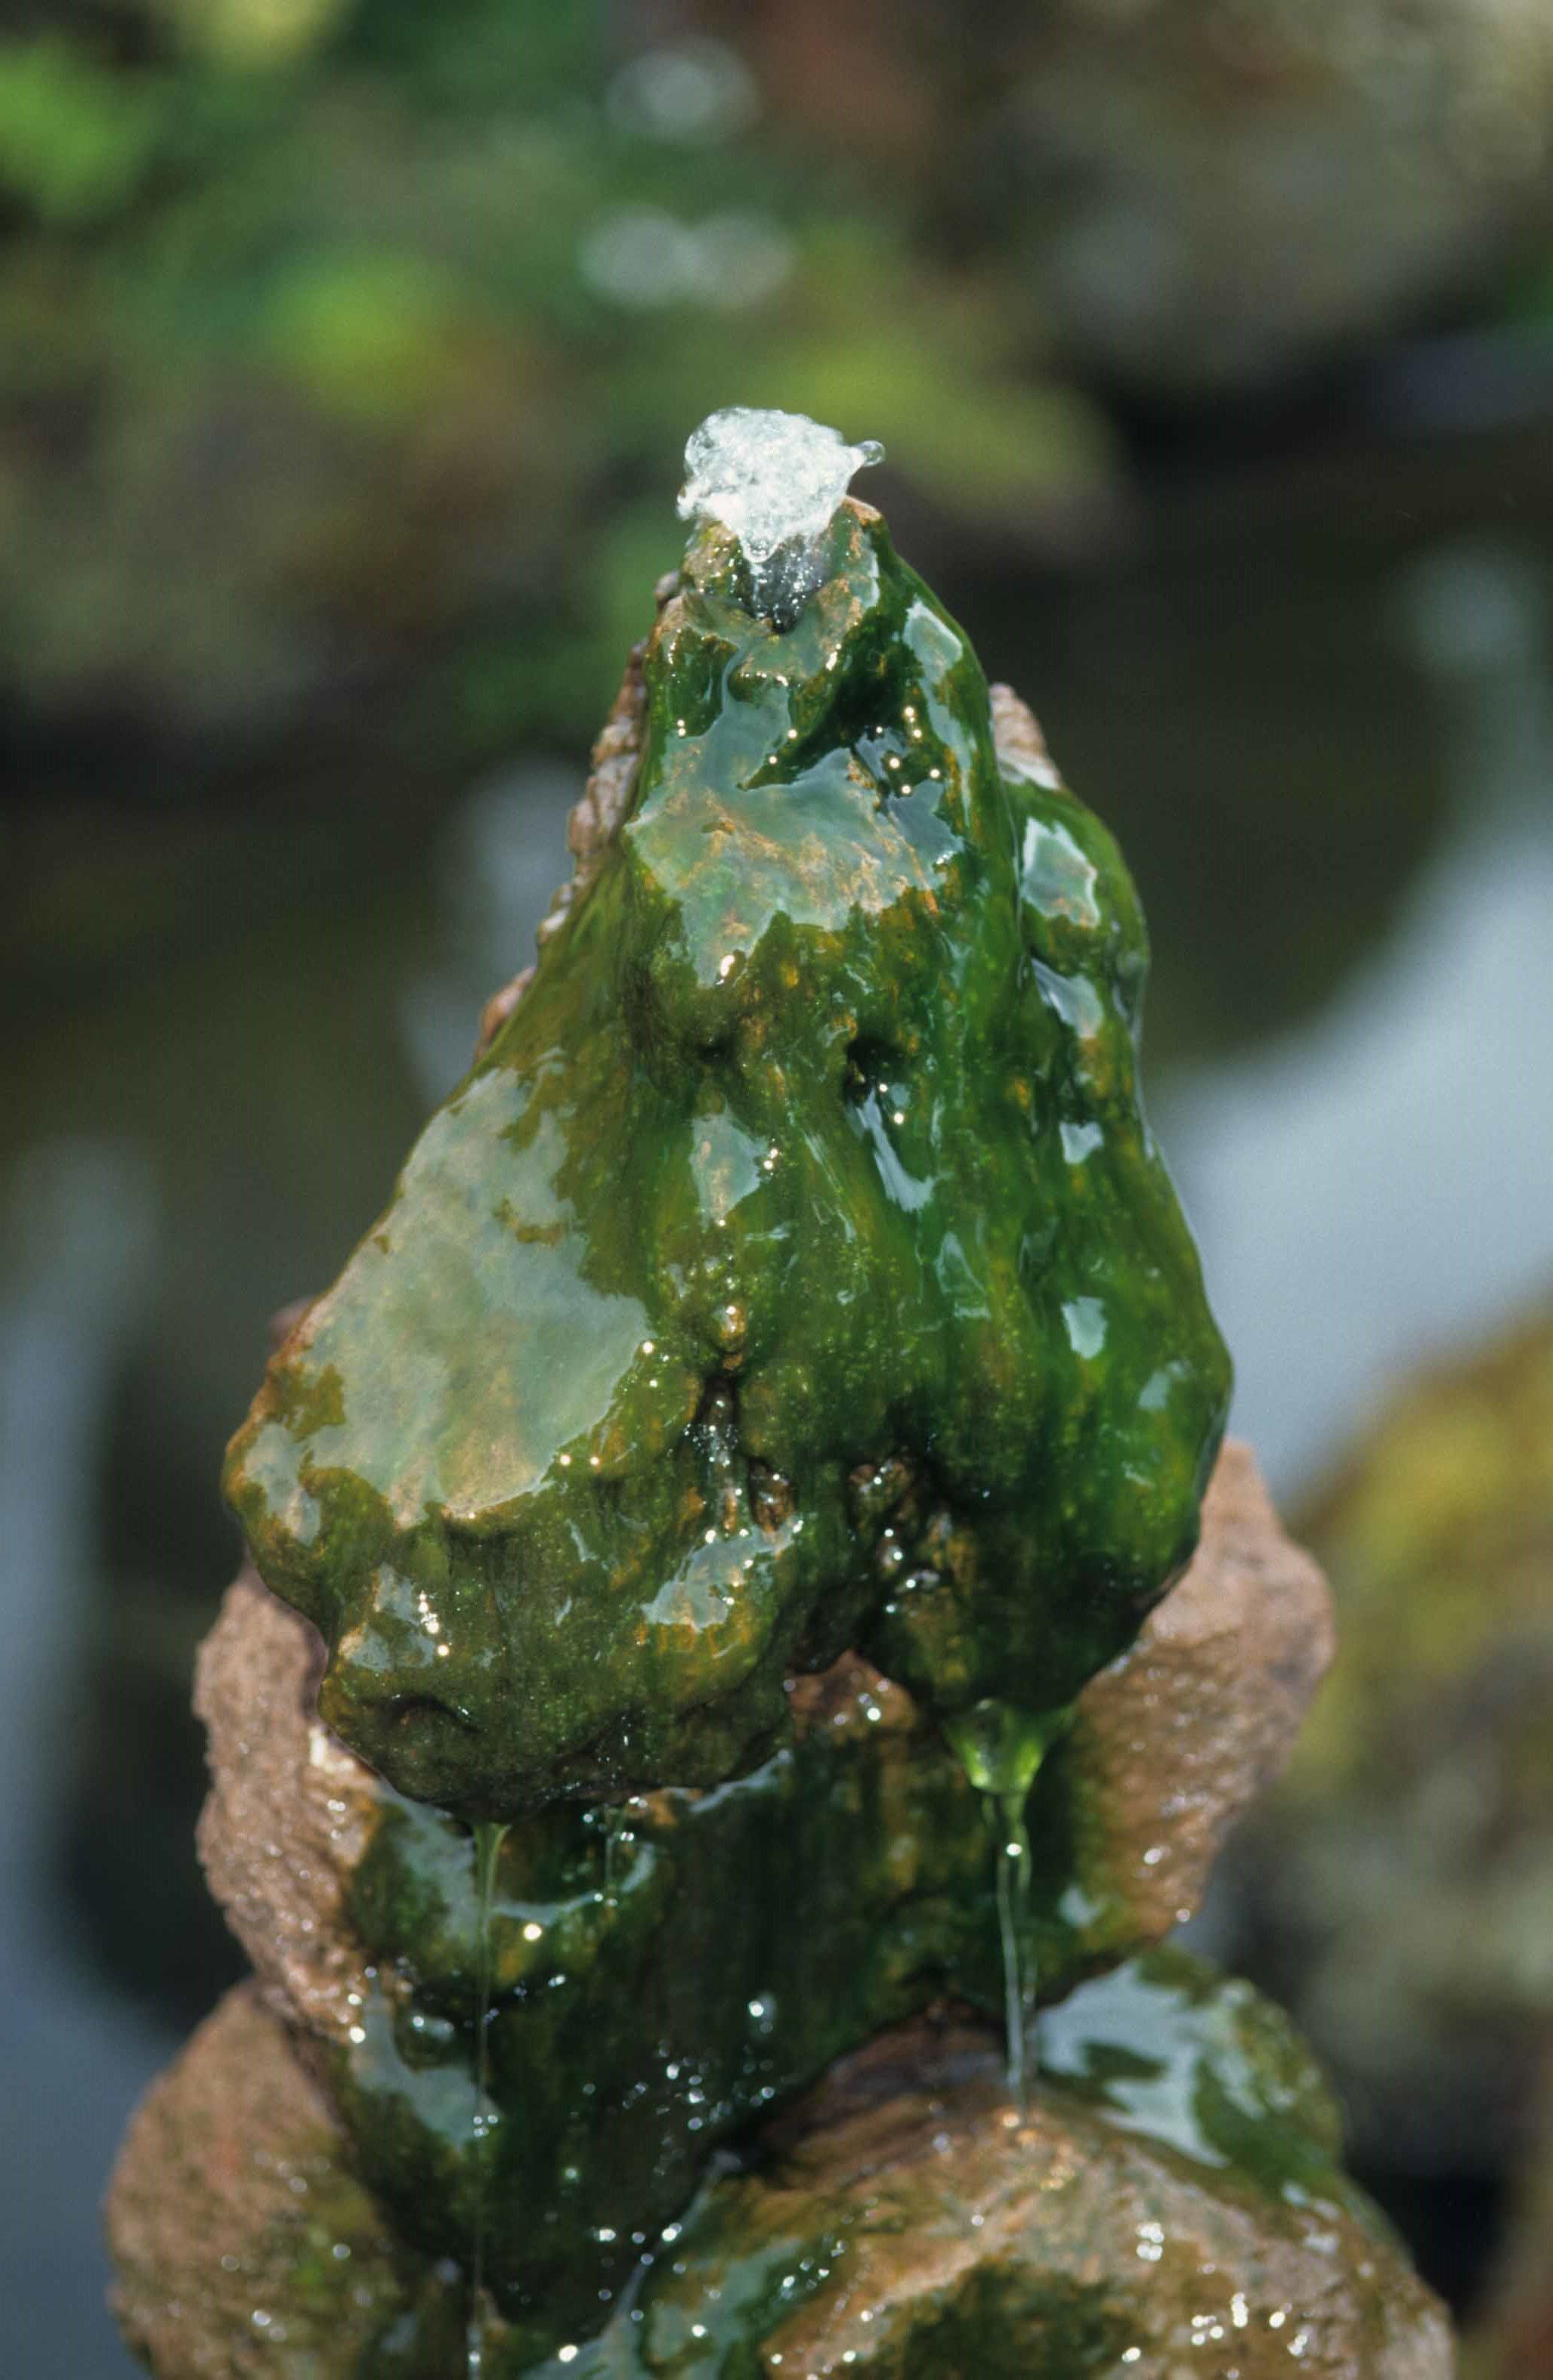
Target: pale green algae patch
x: 795, y: 1272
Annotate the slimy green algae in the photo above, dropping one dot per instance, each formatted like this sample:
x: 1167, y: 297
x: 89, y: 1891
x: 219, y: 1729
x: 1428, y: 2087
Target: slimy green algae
x: 791, y: 1286
x: 794, y: 1272
x: 662, y: 1975
x: 1209, y: 2080
x: 657, y: 1976
x: 1198, y: 2061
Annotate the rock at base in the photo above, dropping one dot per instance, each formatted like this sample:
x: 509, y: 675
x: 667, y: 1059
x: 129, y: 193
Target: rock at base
x: 243, y: 2244
x: 907, y: 2221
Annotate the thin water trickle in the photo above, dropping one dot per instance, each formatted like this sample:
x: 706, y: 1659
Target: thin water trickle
x: 1000, y: 1750
x: 616, y: 1827
x: 1013, y: 1926
x: 489, y: 1838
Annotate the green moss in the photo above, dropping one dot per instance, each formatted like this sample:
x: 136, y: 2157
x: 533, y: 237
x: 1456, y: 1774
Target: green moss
x: 1002, y: 2325
x: 793, y: 1287
x: 658, y: 1975
x: 761, y: 2244
x: 796, y: 1272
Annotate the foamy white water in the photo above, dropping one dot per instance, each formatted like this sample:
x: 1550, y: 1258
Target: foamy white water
x: 775, y: 480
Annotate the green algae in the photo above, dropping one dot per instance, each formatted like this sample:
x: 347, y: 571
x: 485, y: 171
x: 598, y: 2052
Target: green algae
x: 1204, y: 2065
x: 780, y: 1380
x: 489, y: 1836
x: 795, y: 1270
x: 1206, y: 2043
x: 1194, y: 2065
x: 628, y: 1988
x: 646, y: 1983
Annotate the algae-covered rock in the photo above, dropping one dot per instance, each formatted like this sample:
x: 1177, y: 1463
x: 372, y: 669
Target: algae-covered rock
x: 1166, y: 2202
x: 728, y: 1509
x: 914, y: 2225
x: 658, y: 1974
x: 795, y: 1270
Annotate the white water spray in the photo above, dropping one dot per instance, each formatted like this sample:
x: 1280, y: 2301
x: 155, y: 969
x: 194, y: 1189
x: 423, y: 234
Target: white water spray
x: 775, y: 480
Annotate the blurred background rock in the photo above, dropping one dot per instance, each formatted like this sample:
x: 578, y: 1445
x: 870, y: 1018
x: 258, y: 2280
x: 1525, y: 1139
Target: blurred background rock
x: 348, y: 348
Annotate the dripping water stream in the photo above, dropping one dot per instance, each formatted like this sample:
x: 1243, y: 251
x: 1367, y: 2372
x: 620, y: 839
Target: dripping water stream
x: 1000, y: 1749
x: 489, y: 1838
x: 617, y: 1838
x: 1013, y: 1928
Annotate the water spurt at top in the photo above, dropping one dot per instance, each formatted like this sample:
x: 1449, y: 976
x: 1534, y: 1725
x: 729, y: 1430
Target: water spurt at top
x: 775, y: 480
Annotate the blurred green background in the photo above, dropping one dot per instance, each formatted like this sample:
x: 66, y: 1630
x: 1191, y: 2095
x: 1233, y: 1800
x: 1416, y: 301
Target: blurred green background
x: 348, y: 351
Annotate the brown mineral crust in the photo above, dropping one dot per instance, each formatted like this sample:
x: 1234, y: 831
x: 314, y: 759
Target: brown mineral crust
x: 499, y: 1007
x: 595, y: 822
x: 242, y: 2244
x: 974, y: 2238
x: 1021, y: 746
x: 1176, y: 1738
x: 284, y: 1320
x: 289, y: 1809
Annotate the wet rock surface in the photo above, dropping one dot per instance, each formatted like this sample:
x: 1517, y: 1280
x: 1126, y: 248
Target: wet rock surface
x: 360, y: 1910
x: 939, y: 2230
x: 719, y: 1504
x: 906, y: 2220
x: 243, y: 2245
x: 897, y: 1339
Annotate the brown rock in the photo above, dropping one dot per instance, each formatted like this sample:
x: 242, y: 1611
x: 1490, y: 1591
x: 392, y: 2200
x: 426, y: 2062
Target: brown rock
x: 971, y: 2240
x: 1177, y: 1738
x: 595, y: 822
x: 289, y: 1809
x: 939, y: 2234
x: 242, y: 2244
x: 1016, y: 733
x: 1169, y: 1745
x: 499, y: 1007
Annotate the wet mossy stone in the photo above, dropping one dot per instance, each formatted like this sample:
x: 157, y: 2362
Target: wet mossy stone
x: 795, y: 1269
x: 1172, y: 2186
x: 928, y: 2231
x: 653, y: 1977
